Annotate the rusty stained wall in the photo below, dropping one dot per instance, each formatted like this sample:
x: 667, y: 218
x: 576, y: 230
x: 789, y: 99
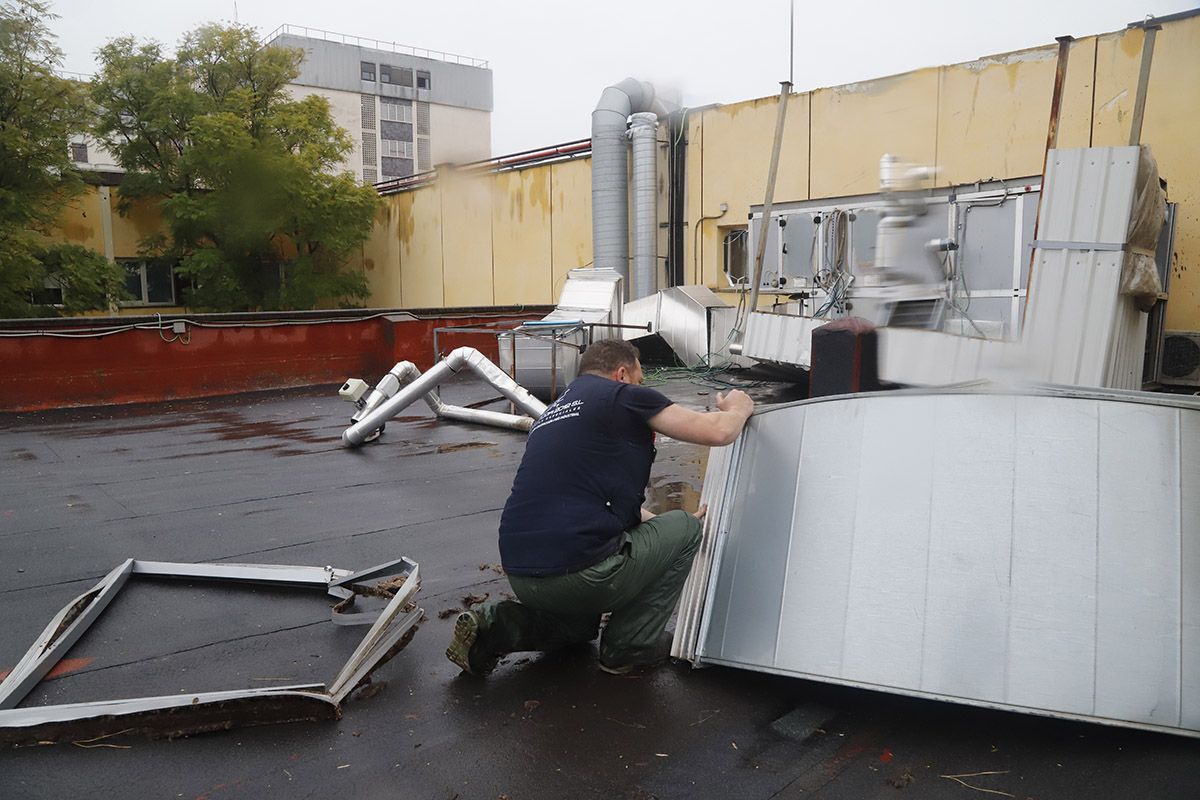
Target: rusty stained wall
x: 504, y: 238
x: 420, y: 232
x: 1172, y: 118
x: 571, y: 218
x: 80, y: 221
x: 467, y: 277
x: 731, y: 167
x: 973, y: 121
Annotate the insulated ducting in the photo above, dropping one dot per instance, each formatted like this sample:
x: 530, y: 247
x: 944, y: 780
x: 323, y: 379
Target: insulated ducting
x: 379, y: 408
x: 610, y: 201
x: 643, y: 131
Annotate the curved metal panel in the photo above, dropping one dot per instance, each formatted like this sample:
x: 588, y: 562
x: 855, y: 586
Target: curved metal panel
x: 1034, y: 550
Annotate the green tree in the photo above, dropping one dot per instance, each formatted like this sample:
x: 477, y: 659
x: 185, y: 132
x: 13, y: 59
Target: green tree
x: 39, y: 111
x: 245, y: 173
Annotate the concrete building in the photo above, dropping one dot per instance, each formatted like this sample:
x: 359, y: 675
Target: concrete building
x: 405, y: 108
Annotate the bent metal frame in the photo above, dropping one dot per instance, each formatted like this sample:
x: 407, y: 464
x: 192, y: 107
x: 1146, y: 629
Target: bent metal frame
x: 184, y: 714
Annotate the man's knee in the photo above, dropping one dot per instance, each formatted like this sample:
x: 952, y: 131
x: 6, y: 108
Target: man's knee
x: 685, y: 528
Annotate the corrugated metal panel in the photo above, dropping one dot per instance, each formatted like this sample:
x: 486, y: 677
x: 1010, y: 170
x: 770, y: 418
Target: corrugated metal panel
x: 1088, y: 194
x: 1069, y: 320
x: 1022, y: 551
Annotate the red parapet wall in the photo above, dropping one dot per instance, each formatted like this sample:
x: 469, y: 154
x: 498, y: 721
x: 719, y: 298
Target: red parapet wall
x: 61, y: 367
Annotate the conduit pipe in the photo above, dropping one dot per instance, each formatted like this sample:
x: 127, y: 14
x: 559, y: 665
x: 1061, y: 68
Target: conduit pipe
x: 379, y: 408
x: 643, y: 132
x: 610, y: 167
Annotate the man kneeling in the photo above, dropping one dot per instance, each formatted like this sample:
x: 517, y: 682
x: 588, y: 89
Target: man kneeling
x: 574, y: 539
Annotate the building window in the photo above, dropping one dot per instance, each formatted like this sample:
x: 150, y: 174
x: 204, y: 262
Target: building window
x: 400, y: 76
x: 423, y: 80
x: 395, y: 149
x: 394, y: 109
x: 368, y: 149
x: 51, y: 294
x: 368, y: 112
x: 370, y: 176
x: 367, y: 69
x: 423, y: 121
x: 424, y: 154
x: 149, y: 283
x: 736, y: 256
x: 79, y: 152
x: 400, y: 131
x: 397, y: 167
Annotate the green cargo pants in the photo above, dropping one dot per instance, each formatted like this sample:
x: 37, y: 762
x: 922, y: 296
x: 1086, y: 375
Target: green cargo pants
x: 638, y: 586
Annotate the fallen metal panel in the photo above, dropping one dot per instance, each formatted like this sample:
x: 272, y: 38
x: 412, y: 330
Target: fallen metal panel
x: 178, y: 715
x: 168, y: 715
x: 277, y: 574
x: 1034, y: 550
x: 397, y: 620
x: 1189, y: 515
x: 63, y: 631
x: 1138, y: 571
x: 695, y: 588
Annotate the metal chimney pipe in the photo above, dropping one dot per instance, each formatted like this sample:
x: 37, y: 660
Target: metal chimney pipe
x: 644, y: 135
x: 610, y: 167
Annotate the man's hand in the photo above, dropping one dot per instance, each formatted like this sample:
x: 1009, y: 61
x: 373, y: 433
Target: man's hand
x: 736, y: 401
x: 701, y: 511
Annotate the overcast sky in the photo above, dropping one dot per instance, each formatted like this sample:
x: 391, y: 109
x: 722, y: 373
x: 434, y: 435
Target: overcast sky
x: 552, y: 59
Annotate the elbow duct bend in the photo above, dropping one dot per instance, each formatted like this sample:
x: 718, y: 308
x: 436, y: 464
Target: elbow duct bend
x: 380, y: 407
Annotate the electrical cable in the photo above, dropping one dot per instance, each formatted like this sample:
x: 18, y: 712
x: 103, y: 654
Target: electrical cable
x: 99, y: 332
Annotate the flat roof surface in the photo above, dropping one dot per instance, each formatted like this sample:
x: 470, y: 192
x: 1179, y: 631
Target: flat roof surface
x: 264, y: 479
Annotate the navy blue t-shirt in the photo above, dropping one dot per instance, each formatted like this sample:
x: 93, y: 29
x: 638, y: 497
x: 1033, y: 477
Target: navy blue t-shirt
x: 582, y: 481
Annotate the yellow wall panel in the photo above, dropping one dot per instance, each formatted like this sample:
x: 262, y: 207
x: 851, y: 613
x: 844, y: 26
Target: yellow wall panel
x: 852, y: 126
x: 993, y: 115
x: 736, y: 153
x: 466, y: 238
x: 1172, y: 118
x: 521, y: 245
x: 571, y: 219
x: 694, y: 199
x: 379, y: 257
x: 79, y: 222
x: 1118, y: 56
x: 1075, y: 117
x: 421, y: 248
x: 141, y: 221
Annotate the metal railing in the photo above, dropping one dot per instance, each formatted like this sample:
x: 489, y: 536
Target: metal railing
x: 376, y: 44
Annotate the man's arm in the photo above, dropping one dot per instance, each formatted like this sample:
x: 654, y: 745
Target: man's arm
x: 713, y: 428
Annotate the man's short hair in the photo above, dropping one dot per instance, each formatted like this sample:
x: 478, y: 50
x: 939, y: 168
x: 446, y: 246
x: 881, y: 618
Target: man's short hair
x: 607, y: 356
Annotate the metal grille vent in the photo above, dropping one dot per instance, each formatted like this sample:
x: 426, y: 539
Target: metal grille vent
x: 369, y: 149
x: 368, y: 112
x: 1181, y: 358
x: 422, y: 118
x: 424, y: 157
x: 370, y: 176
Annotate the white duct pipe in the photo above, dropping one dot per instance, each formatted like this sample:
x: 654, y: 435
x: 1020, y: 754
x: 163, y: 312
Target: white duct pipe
x: 610, y: 165
x: 644, y: 135
x: 424, y: 385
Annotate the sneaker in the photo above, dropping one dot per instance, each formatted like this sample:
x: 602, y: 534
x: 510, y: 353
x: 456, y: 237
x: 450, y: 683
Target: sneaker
x: 466, y: 633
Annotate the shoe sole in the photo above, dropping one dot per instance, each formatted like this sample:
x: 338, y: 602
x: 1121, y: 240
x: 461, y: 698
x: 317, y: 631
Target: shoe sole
x: 466, y: 630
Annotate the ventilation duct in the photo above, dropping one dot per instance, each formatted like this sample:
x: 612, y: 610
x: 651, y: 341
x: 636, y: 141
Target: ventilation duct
x: 644, y: 135
x: 610, y: 167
